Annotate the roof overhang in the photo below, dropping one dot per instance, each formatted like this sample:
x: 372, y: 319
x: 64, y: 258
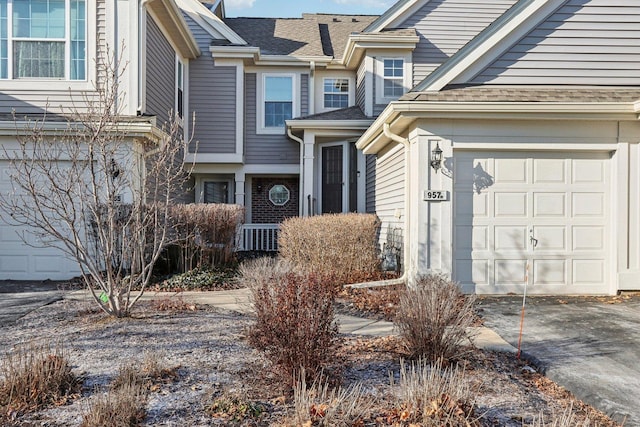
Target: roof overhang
x: 400, y: 115
x: 322, y: 125
x: 167, y: 14
x: 209, y: 20
x: 359, y: 43
x: 253, y: 56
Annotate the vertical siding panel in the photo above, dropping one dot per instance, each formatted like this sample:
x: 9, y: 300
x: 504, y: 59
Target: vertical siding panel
x: 593, y: 43
x: 160, y: 73
x: 264, y: 149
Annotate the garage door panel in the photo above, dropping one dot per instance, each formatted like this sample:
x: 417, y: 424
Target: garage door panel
x: 588, y: 238
x: 512, y: 171
x: 14, y: 263
x: 550, y: 238
x: 8, y: 234
x: 511, y: 204
x: 547, y: 205
x: 588, y: 271
x: 470, y: 238
x: 549, y: 272
x: 510, y: 238
x: 509, y: 271
x: 546, y: 171
x: 588, y: 205
x: 586, y: 171
x: 471, y: 205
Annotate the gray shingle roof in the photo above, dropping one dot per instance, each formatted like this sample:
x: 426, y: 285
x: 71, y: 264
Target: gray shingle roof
x: 497, y: 93
x: 350, y: 113
x: 311, y: 35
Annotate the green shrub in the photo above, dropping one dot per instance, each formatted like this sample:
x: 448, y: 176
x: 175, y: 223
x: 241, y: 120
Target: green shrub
x: 344, y: 245
x: 295, y: 324
x: 201, y: 279
x: 434, y: 319
x: 35, y: 377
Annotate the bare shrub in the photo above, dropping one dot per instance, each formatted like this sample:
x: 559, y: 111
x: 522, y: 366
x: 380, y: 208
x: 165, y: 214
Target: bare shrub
x: 173, y: 303
x: 207, y: 233
x: 122, y: 406
x: 34, y: 377
x: 319, y: 405
x: 235, y: 408
x: 434, y: 319
x: 148, y: 373
x: 344, y: 245
x: 295, y: 323
x: 433, y: 395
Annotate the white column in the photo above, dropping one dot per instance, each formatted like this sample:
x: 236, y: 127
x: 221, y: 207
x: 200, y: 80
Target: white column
x: 240, y: 191
x: 308, y: 172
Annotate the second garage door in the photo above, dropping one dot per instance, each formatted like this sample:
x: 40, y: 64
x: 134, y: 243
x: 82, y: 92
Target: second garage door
x: 540, y: 217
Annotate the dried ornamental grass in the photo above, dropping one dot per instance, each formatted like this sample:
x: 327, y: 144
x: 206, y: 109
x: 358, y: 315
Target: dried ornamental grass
x: 345, y: 245
x: 434, y: 319
x: 34, y: 377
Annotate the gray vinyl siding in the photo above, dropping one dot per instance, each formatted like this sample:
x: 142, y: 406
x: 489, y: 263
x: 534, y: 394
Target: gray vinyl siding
x: 444, y: 26
x: 370, y: 186
x: 161, y: 71
x: 593, y: 43
x: 389, y: 194
x: 212, y: 98
x: 304, y: 95
x: 264, y: 149
x: 361, y: 91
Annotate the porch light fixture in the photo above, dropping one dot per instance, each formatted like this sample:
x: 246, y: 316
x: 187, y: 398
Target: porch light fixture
x: 436, y: 158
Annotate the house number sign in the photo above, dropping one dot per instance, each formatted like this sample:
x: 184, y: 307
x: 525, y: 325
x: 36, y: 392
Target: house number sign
x: 436, y: 196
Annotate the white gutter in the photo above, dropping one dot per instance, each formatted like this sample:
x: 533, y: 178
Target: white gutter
x: 386, y: 128
x: 302, y: 199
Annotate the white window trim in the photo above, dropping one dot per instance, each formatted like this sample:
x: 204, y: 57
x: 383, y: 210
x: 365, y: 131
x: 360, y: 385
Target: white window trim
x: 350, y: 83
x: 406, y: 78
x: 260, y: 99
x: 47, y: 84
x: 180, y: 62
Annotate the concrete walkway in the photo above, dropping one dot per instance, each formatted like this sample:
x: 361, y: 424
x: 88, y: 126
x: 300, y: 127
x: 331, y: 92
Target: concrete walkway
x: 238, y: 300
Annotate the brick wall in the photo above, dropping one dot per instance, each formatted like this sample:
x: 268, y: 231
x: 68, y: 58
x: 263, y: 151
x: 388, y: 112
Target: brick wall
x: 265, y: 212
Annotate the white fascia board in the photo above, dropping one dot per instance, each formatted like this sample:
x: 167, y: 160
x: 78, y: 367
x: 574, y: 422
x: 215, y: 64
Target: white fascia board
x: 209, y: 21
x: 201, y: 158
x: 358, y: 43
x: 292, y: 61
x: 490, y: 43
x: 636, y: 106
x: 397, y: 10
x: 188, y: 48
x: 401, y: 114
x: 338, y: 125
x: 235, y: 52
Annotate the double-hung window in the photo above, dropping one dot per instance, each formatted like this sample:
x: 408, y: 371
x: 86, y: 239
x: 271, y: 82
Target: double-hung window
x: 336, y: 93
x: 43, y: 39
x: 393, y: 77
x: 278, y: 100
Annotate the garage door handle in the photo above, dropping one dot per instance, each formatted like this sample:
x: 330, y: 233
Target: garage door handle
x: 534, y: 242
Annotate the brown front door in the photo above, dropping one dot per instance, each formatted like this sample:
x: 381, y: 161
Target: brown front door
x: 332, y: 179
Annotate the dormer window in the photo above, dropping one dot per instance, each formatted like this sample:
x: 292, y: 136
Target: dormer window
x: 43, y: 39
x: 393, y: 76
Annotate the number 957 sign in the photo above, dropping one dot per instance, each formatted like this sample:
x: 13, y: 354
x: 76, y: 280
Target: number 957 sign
x: 436, y: 196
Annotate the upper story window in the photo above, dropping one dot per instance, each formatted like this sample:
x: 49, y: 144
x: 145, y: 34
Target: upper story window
x: 278, y: 100
x: 179, y: 87
x: 43, y: 39
x: 393, y: 77
x: 336, y: 93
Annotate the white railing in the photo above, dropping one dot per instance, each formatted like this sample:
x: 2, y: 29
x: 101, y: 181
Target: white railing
x: 258, y: 237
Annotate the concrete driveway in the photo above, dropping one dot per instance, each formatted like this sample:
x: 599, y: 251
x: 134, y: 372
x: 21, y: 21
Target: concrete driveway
x: 19, y: 298
x: 590, y: 346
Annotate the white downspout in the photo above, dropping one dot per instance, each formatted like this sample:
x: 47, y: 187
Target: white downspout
x: 301, y: 189
x: 407, y: 206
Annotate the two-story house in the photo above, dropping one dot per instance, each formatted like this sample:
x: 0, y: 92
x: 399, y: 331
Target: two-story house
x: 52, y: 58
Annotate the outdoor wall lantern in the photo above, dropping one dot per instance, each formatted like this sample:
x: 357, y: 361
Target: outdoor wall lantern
x: 436, y: 158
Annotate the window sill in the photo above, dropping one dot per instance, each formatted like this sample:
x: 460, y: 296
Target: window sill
x: 46, y: 85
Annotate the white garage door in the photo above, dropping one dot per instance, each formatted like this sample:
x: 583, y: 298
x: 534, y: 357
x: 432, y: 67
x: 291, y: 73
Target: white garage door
x: 535, y: 216
x: 19, y: 261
